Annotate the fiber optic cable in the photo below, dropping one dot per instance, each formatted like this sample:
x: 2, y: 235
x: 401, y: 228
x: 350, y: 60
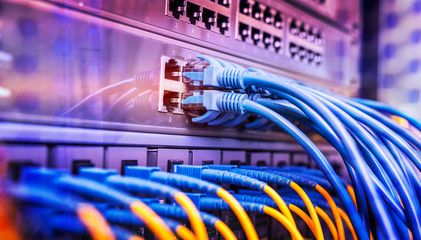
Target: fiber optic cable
x: 91, y: 188
x: 138, y: 185
x: 221, y: 176
x: 328, y: 222
x: 209, y: 203
x: 304, y: 217
x: 348, y: 223
x: 95, y: 223
x: 272, y: 179
x: 192, y: 183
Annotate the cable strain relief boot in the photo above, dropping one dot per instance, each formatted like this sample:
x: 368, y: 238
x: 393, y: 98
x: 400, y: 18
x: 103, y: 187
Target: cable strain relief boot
x: 231, y: 78
x: 232, y: 102
x: 146, y: 80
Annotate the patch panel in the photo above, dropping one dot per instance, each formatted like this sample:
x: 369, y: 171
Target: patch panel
x: 261, y: 26
x: 303, y: 31
x: 212, y: 15
x: 302, y: 54
x: 171, y: 85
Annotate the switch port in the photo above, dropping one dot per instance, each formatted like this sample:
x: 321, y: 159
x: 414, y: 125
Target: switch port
x: 302, y: 53
x: 277, y: 20
x: 222, y: 23
x: 244, y: 31
x: 267, y: 16
x: 172, y: 70
x: 171, y: 100
x: 318, y: 39
x: 293, y: 27
x: 177, y: 7
x: 225, y: 3
x: 171, y: 164
x: 310, y: 56
x: 77, y: 164
x: 193, y: 12
x: 256, y: 11
x: 208, y: 18
x: 277, y: 43
x: 125, y: 163
x: 267, y: 39
x: 14, y: 168
x: 311, y: 36
x: 303, y: 31
x: 318, y: 59
x: 293, y: 49
x: 245, y: 7
x: 255, y: 35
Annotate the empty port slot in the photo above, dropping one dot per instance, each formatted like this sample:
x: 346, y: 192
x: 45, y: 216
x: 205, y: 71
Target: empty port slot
x: 302, y: 53
x: 277, y: 20
x: 207, y: 162
x: 125, y: 163
x: 14, y: 168
x: 261, y: 163
x: 256, y: 11
x: 172, y: 70
x: 208, y: 18
x: 236, y: 162
x: 193, y: 12
x: 244, y: 31
x: 171, y: 164
x: 171, y: 100
x: 77, y: 164
x: 225, y: 3
x: 277, y: 43
x: 318, y: 59
x: 255, y: 35
x: 303, y: 31
x: 245, y: 7
x: 222, y: 23
x: 177, y: 7
x: 293, y: 49
x: 281, y: 164
x: 310, y: 56
x: 267, y: 39
x: 267, y: 16
x: 293, y: 27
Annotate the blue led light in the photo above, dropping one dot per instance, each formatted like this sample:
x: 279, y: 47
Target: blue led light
x: 28, y: 27
x: 414, y: 65
x: 388, y: 81
x: 416, y: 6
x: 389, y: 50
x: 392, y: 20
x: 414, y: 95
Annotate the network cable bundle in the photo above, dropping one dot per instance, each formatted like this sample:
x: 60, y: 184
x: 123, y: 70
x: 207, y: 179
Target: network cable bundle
x: 237, y: 119
x: 381, y: 200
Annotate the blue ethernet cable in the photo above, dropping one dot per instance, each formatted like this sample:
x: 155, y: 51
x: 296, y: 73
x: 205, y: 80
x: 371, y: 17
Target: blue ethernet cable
x: 328, y: 133
x: 412, y: 207
x: 387, y: 109
x: 235, y: 105
x: 336, y: 143
x: 380, y: 128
